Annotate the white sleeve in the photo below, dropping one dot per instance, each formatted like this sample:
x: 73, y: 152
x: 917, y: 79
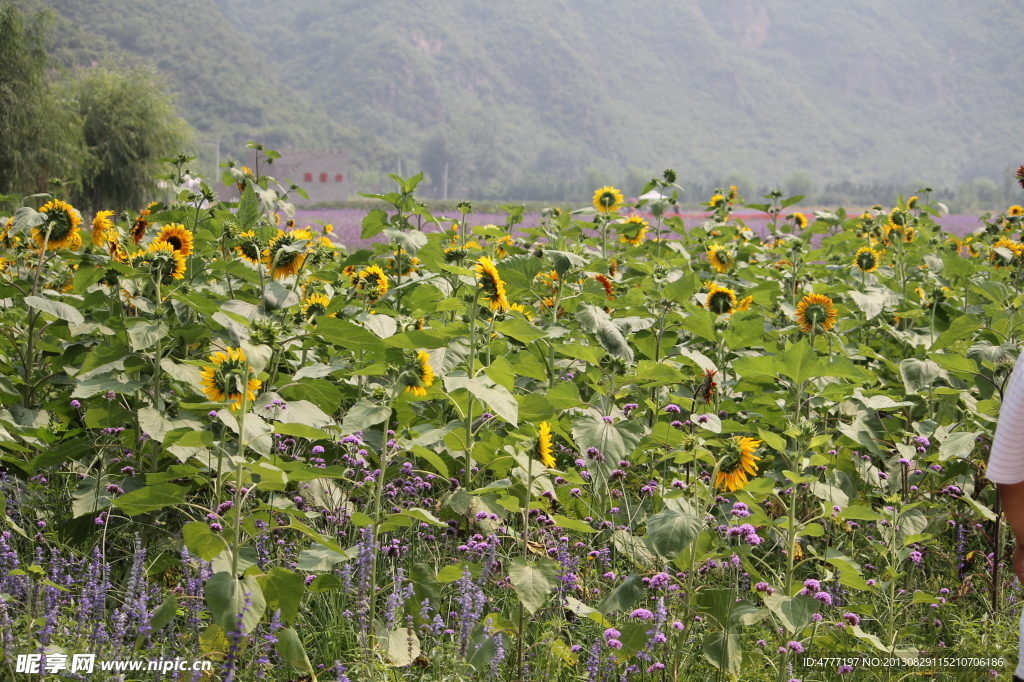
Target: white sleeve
x: 1006, y: 462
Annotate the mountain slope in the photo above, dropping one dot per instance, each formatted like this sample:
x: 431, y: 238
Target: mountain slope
x: 864, y: 90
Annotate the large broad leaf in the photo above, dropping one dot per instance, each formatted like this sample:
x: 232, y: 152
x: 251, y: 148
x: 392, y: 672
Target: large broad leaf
x: 799, y: 362
x: 347, y: 335
x: 363, y: 415
x: 919, y: 374
x: 144, y: 335
x: 600, y: 324
x: 724, y: 651
x: 257, y: 432
x: 150, y: 498
x: 201, y: 541
x: 961, y: 327
x: 670, y: 532
x: 283, y: 589
x: 55, y: 308
x: 403, y: 647
x: 871, y: 303
x: 622, y: 597
x: 411, y: 241
x: 519, y: 329
x: 520, y: 270
x: 793, y: 612
x: 248, y: 209
x: 289, y: 646
x: 614, y: 440
x: 563, y: 261
x: 375, y: 222
x: 497, y: 398
x: 227, y: 596
x: 533, y: 582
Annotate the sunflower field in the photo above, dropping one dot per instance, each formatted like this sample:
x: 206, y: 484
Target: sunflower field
x: 601, y: 445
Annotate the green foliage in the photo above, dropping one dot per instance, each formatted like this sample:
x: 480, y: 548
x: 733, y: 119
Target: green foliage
x: 129, y: 125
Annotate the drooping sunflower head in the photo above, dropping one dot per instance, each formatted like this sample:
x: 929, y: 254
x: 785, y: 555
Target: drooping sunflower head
x: 911, y: 203
x: 60, y: 226
x: 607, y: 200
x: 418, y: 375
x: 899, y: 217
x: 522, y: 309
x: 315, y: 305
x: 1020, y: 175
x: 103, y: 230
x: 815, y: 313
x: 247, y: 174
x: 799, y: 220
x: 609, y: 287
x: 491, y: 284
x: 178, y: 236
x: 736, y: 463
x: 908, y: 234
x: 282, y: 256
x: 721, y: 258
x: 867, y: 259
x: 1016, y: 249
x: 1015, y: 211
x: 249, y: 247
x: 744, y: 305
x: 372, y: 283
x: 454, y: 254
x: 226, y: 380
x: 545, y: 448
x: 720, y: 300
x: 165, y: 262
x: 634, y: 229
x: 500, y: 243
x: 140, y: 226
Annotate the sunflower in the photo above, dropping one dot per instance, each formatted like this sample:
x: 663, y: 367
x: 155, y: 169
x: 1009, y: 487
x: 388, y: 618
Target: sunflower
x: 315, y: 305
x: 716, y: 201
x: 4, y: 265
x: 61, y: 222
x: 490, y: 282
x: 225, y: 381
x: 1020, y: 175
x: 972, y: 247
x: 250, y: 247
x: 178, y: 236
x: 799, y: 220
x: 737, y: 461
x: 911, y: 203
x: 544, y: 446
x: 721, y: 258
x: 720, y: 300
x: 609, y: 288
x: 165, y: 261
x: 898, y: 217
x: 140, y: 226
x: 909, y: 234
x: 247, y: 174
x: 867, y: 259
x: 1016, y: 248
x: 607, y: 199
x: 281, y: 257
x: 613, y: 267
x: 520, y: 308
x: 103, y: 230
x: 373, y: 283
x: 419, y: 375
x: 1015, y: 211
x: 815, y: 312
x: 500, y: 243
x: 744, y: 304
x: 634, y: 228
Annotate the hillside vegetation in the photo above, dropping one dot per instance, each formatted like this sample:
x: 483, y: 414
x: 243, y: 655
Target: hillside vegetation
x: 522, y: 94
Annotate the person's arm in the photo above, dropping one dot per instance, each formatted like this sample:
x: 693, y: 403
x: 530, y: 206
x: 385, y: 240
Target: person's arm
x: 1011, y: 498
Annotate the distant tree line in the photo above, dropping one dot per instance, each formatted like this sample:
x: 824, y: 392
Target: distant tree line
x: 98, y: 132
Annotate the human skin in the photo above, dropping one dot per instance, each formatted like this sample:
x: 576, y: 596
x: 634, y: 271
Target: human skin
x: 1011, y: 498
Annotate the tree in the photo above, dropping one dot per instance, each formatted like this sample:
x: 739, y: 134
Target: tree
x: 40, y: 130
x: 129, y: 124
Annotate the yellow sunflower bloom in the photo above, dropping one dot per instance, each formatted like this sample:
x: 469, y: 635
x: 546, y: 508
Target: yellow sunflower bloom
x: 222, y: 383
x: 166, y: 262
x: 492, y: 284
x: 736, y: 463
x: 607, y: 200
x: 634, y: 229
x: 744, y: 304
x: 799, y: 220
x: 716, y: 201
x: 520, y: 308
x: 545, y: 449
x: 372, y: 283
x: 315, y: 305
x: 867, y: 259
x: 250, y: 247
x: 103, y: 230
x: 61, y: 222
x: 721, y: 258
x: 720, y: 300
x: 419, y: 376
x: 815, y: 312
x: 1015, y: 210
x: 178, y: 236
x: 283, y: 263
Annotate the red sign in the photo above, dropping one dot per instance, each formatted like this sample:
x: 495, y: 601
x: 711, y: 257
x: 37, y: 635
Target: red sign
x: 307, y: 177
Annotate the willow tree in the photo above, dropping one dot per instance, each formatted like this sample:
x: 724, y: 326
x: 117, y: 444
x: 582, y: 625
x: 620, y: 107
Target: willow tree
x: 40, y: 129
x: 129, y: 124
